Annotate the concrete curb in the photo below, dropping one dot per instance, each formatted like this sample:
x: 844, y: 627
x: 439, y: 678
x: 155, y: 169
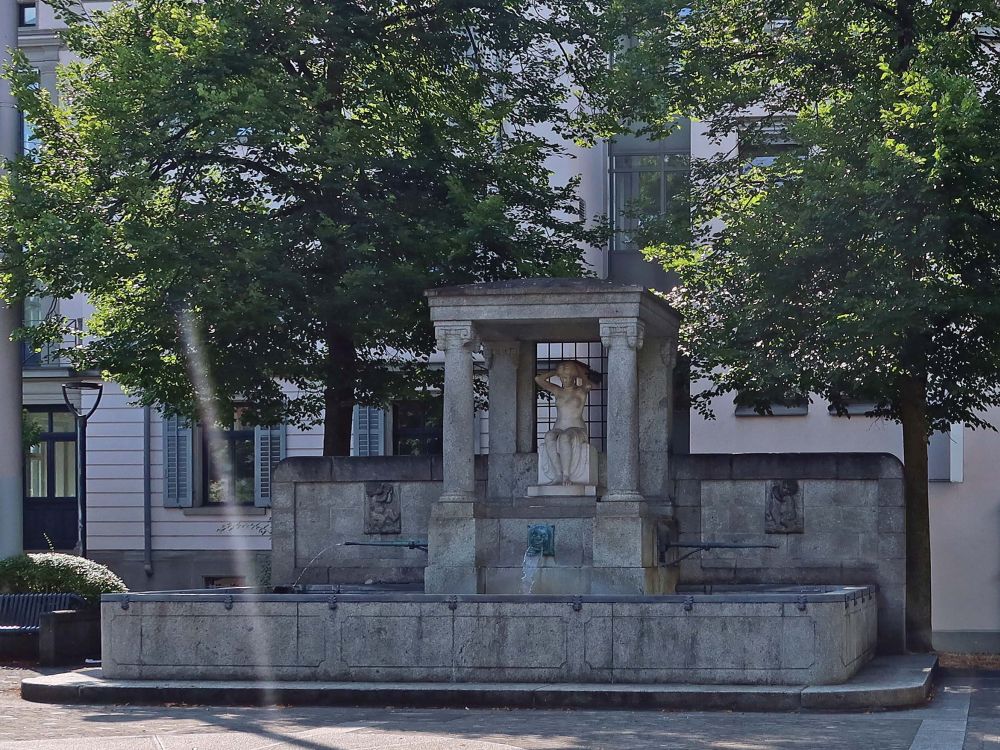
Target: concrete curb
x: 887, y: 683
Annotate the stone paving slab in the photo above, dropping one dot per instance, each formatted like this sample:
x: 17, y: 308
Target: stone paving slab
x: 888, y: 682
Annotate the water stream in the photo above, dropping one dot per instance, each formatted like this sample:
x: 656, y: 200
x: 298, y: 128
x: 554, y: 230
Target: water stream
x: 529, y: 567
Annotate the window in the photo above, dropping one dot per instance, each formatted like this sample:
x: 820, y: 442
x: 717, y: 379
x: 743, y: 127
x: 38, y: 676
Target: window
x: 795, y: 405
x: 231, y: 465
x: 946, y: 455
x: 29, y: 144
x: 590, y: 353
x: 224, y: 582
x: 647, y: 178
x: 50, y: 466
x: 761, y: 144
x: 645, y: 187
x: 417, y: 427
x: 27, y: 15
x: 228, y: 465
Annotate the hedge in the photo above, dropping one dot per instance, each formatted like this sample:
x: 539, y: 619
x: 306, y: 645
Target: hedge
x: 52, y: 572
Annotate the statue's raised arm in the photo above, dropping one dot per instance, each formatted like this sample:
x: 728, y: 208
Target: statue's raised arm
x: 544, y: 381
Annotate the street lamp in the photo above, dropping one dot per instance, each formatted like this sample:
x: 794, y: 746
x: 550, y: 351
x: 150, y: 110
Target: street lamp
x: 79, y: 387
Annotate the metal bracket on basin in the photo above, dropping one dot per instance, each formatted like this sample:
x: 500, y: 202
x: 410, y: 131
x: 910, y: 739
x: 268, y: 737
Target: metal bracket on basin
x: 228, y: 602
x: 125, y: 602
x: 542, y: 539
x: 577, y: 603
x: 801, y: 604
x: 705, y: 546
x: 332, y: 602
x: 419, y: 544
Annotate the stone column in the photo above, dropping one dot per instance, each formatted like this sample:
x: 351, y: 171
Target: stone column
x: 502, y: 364
x: 527, y: 397
x: 452, y: 532
x: 656, y: 367
x: 623, y: 338
x: 458, y: 342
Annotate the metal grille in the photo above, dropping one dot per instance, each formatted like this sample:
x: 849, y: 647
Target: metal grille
x: 592, y: 354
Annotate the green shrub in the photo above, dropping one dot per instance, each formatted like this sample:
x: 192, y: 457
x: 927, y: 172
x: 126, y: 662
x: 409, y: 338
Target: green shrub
x: 52, y: 572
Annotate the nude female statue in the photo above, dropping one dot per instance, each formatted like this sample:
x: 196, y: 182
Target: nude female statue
x: 566, y: 442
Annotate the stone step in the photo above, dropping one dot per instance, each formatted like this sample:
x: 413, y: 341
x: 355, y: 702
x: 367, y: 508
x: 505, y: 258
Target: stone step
x: 887, y: 682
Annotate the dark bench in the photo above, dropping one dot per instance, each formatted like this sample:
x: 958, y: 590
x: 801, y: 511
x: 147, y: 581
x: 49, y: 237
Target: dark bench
x: 19, y: 613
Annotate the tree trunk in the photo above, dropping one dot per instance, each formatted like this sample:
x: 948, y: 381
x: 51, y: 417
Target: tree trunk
x: 913, y: 415
x: 338, y: 393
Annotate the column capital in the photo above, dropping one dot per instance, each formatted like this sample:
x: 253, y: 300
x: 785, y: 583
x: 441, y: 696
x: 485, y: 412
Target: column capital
x: 455, y: 335
x: 504, y: 349
x: 622, y: 332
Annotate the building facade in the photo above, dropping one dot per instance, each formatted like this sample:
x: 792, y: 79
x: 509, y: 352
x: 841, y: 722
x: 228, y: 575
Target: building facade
x: 171, y: 505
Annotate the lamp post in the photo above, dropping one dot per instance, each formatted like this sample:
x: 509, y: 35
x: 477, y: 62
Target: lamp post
x: 81, y: 386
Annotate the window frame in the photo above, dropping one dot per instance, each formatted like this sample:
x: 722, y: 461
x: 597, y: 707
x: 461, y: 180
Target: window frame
x: 665, y: 163
x: 23, y: 15
x: 50, y: 437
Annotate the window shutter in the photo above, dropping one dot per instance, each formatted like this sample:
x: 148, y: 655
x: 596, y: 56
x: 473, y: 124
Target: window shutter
x: 368, y: 434
x: 269, y: 448
x: 177, y: 451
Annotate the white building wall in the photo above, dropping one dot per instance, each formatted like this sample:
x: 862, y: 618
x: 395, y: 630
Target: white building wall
x: 965, y: 553
x: 115, y: 488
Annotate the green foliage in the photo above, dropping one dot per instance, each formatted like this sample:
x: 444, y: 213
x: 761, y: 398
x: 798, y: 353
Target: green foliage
x: 862, y: 264
x: 261, y: 191
x: 31, y: 431
x: 54, y: 573
x: 865, y: 259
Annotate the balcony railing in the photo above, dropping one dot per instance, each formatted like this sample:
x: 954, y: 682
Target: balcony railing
x: 52, y: 355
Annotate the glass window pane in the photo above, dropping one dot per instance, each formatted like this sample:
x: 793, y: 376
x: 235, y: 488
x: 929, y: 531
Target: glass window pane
x: 637, y: 198
x: 37, y: 464
x: 27, y: 15
x: 65, y: 468
x: 676, y: 162
x: 39, y: 419
x: 230, y: 469
x: 243, y: 469
x: 637, y: 162
x: 63, y: 421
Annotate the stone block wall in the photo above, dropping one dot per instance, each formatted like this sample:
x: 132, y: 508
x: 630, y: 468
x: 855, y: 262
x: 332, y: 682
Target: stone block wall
x: 321, y: 503
x: 832, y: 518
x: 760, y: 638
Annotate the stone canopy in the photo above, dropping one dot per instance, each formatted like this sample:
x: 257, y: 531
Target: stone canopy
x: 550, y: 309
x: 506, y: 320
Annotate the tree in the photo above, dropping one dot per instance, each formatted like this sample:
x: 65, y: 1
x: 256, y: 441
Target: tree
x: 863, y: 262
x: 255, y: 195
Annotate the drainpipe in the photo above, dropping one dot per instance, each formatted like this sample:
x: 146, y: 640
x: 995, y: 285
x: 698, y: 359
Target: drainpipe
x: 147, y: 495
x: 11, y: 317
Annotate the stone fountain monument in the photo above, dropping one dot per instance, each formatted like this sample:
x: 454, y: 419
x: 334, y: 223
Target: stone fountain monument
x: 548, y: 561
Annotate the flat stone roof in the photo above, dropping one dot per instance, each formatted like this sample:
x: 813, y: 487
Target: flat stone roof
x: 550, y: 309
x: 531, y: 286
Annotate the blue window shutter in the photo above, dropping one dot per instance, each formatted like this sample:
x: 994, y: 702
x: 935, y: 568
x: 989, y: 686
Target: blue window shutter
x: 178, y: 485
x: 367, y: 435
x: 269, y: 448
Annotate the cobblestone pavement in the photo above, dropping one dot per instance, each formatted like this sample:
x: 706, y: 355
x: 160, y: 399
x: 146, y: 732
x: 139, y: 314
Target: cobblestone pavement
x: 965, y: 715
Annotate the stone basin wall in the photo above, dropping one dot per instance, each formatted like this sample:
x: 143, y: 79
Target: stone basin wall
x: 807, y: 637
x: 848, y: 525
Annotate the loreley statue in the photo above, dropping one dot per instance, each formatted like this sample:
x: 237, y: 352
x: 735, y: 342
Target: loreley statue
x: 567, y: 458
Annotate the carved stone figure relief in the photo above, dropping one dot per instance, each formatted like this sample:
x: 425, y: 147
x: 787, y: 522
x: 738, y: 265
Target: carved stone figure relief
x: 383, y: 514
x: 783, y: 514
